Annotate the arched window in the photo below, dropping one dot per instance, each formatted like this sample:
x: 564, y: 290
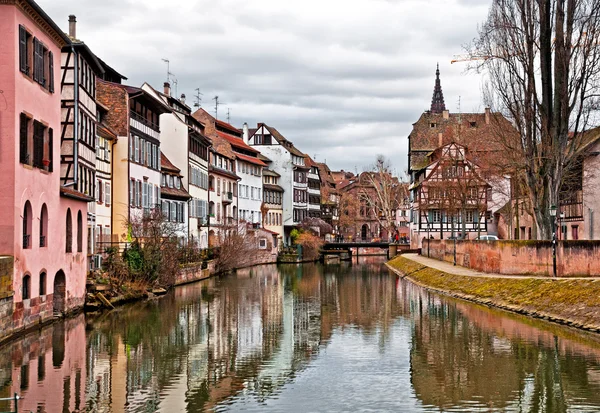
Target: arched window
x: 27, y: 218
x: 42, y: 283
x: 211, y: 208
x: 79, y: 232
x: 69, y: 246
x: 26, y: 287
x: 44, y: 226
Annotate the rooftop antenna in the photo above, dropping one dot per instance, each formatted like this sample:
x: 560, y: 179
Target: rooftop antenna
x: 198, y: 96
x: 175, y: 81
x: 217, y: 103
x: 168, y: 70
x: 228, y: 116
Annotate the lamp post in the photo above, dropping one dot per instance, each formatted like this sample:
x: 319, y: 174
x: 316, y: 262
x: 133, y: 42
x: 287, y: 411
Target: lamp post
x: 553, y: 215
x: 428, y: 239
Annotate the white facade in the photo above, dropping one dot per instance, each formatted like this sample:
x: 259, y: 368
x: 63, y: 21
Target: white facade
x: 182, y: 142
x: 250, y: 191
x: 288, y: 162
x: 314, y: 192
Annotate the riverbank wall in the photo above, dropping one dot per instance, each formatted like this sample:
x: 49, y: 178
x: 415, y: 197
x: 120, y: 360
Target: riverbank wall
x: 572, y: 302
x: 574, y: 258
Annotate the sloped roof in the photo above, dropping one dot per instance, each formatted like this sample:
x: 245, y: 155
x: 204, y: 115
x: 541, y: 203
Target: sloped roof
x: 269, y: 172
x: 222, y: 147
x: 251, y: 159
x: 283, y: 141
x: 480, y: 132
x: 273, y: 187
x: 167, y: 165
x: 236, y: 142
x: 179, y: 193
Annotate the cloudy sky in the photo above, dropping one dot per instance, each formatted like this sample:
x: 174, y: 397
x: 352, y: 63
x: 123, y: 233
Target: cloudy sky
x: 344, y: 80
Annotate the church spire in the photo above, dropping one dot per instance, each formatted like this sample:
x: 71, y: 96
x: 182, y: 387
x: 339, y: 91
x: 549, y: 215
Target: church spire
x: 437, y: 102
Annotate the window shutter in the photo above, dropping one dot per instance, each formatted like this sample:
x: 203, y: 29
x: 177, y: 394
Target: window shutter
x: 50, y: 148
x: 137, y: 149
x: 107, y: 193
x: 23, y: 50
x: 50, y: 72
x: 38, y: 58
x: 144, y: 194
x: 131, y: 147
x: 97, y: 195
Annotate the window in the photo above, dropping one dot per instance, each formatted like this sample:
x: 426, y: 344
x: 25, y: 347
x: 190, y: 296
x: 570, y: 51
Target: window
x: 27, y: 219
x: 177, y: 182
x: 44, y: 227
x: 473, y: 124
x: 42, y: 283
x: 69, y: 231
x: 79, y: 232
x: 26, y: 287
x: 262, y: 243
x: 469, y: 217
x: 170, y: 181
x: 24, y: 153
x: 436, y: 216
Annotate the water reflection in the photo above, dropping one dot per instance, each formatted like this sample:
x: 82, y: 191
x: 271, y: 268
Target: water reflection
x: 303, y: 338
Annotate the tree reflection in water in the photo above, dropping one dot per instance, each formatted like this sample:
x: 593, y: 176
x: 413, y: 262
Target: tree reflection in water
x: 251, y: 339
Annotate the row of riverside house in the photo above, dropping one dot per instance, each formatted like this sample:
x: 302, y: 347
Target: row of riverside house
x: 82, y: 155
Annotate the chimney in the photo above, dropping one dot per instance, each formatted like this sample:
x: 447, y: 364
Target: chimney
x: 246, y: 132
x: 182, y: 98
x: 446, y: 114
x: 440, y: 140
x: 72, y: 26
x: 487, y: 116
x: 167, y: 89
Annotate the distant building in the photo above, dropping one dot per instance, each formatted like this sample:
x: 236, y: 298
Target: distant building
x: 272, y: 201
x: 174, y: 198
x: 184, y: 143
x: 449, y: 197
x: 314, y: 188
x: 289, y: 163
x: 134, y: 116
x: 480, y: 133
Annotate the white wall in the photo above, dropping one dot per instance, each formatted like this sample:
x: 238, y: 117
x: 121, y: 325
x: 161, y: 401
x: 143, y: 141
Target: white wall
x: 247, y: 203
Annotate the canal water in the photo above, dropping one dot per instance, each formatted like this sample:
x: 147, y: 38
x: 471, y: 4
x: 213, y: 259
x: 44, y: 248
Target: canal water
x: 307, y: 338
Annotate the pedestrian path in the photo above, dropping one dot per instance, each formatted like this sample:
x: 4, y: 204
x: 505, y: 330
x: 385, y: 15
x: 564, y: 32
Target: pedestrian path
x: 449, y: 268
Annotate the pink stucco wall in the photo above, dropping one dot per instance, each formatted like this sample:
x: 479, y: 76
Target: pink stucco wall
x: 574, y: 258
x: 21, y: 183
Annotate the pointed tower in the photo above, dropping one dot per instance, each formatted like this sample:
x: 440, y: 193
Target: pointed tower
x: 437, y: 102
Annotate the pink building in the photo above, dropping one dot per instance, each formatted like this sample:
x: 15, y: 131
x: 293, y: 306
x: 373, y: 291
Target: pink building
x: 42, y: 224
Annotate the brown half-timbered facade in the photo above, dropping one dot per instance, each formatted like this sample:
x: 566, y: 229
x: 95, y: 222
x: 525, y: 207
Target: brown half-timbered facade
x: 449, y: 196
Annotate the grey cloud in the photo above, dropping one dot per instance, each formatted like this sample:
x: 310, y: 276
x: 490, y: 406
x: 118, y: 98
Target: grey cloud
x: 343, y: 80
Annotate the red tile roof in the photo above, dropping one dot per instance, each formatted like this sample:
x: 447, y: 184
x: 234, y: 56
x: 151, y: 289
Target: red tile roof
x: 166, y: 165
x: 237, y: 142
x: 251, y: 159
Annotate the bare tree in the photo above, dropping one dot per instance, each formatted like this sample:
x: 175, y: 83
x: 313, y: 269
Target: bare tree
x: 236, y: 248
x: 383, y: 193
x: 543, y: 62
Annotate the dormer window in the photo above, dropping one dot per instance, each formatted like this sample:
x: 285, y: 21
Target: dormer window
x: 473, y: 124
x: 177, y: 183
x: 432, y: 124
x: 170, y: 181
x: 164, y: 180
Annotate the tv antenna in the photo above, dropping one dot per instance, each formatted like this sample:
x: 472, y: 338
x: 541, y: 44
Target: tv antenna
x: 228, y: 116
x: 198, y: 97
x: 217, y: 103
x: 168, y: 68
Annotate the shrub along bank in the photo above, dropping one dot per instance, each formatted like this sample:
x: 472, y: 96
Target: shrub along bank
x: 575, y: 302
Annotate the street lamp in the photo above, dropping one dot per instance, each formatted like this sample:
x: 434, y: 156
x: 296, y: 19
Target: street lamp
x: 553, y: 215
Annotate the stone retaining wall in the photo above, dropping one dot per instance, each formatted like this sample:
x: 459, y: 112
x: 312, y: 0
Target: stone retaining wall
x: 574, y: 258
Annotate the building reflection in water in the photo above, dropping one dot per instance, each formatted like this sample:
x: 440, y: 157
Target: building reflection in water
x: 243, y: 338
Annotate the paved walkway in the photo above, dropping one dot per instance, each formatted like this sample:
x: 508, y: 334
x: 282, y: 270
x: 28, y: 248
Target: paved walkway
x: 458, y: 270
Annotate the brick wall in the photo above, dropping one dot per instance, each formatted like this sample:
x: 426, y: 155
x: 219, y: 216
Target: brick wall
x: 574, y: 258
x: 115, y: 98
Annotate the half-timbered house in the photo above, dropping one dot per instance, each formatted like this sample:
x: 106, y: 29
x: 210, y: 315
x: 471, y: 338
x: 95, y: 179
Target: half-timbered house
x: 78, y: 141
x: 449, y: 196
